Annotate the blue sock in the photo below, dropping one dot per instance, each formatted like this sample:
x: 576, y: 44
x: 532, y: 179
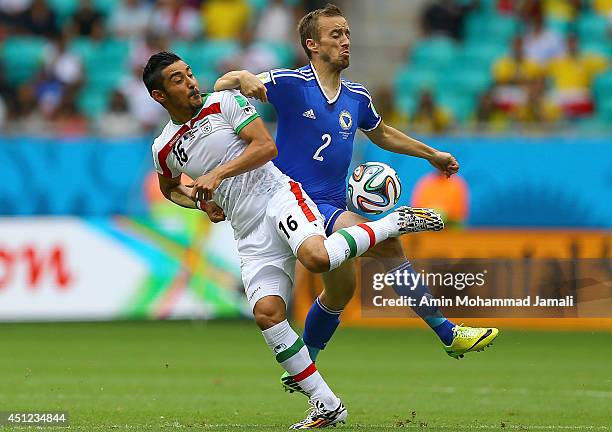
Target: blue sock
x: 321, y: 323
x: 430, y: 314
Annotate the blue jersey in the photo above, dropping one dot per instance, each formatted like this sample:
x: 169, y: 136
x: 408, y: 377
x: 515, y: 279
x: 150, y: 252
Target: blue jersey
x: 315, y: 134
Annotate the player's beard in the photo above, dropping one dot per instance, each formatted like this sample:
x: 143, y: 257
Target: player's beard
x: 340, y: 63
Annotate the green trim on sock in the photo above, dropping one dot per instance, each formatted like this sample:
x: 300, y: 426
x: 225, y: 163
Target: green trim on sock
x: 351, y: 242
x: 290, y: 352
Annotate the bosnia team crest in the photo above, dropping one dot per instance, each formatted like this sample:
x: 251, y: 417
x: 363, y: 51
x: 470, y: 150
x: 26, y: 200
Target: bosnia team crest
x: 346, y: 120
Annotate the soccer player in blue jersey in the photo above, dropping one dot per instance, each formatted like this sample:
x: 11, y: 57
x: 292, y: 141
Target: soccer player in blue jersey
x: 319, y: 113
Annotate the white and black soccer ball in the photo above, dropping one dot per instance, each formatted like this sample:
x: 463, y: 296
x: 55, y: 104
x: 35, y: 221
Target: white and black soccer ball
x: 374, y: 188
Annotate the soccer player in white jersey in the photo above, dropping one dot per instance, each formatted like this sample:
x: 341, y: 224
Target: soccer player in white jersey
x: 219, y: 140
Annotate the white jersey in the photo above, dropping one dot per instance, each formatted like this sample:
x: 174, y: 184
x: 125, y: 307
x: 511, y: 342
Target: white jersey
x: 210, y: 139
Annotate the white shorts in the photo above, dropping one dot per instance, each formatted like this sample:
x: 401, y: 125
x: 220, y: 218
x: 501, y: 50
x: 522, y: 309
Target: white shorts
x: 268, y: 253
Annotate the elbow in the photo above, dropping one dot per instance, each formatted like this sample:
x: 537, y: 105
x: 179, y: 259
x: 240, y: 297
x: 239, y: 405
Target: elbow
x: 270, y: 149
x: 273, y: 150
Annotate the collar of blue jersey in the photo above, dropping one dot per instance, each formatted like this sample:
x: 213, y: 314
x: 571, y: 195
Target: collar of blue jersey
x: 335, y: 98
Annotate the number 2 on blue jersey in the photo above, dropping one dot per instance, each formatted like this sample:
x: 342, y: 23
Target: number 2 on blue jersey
x: 326, y: 142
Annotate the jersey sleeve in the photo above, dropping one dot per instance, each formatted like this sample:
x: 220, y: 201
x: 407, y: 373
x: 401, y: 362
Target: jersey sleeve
x: 368, y: 117
x: 278, y: 88
x: 237, y: 110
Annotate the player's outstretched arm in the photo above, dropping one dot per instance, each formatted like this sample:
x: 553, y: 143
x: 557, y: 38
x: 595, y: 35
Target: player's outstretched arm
x: 248, y: 84
x: 389, y: 138
x: 261, y: 149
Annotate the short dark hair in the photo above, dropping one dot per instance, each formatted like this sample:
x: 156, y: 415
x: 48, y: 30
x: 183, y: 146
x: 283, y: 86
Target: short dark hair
x: 308, y: 29
x: 151, y: 75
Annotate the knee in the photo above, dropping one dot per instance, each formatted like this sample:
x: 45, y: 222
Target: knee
x: 315, y: 260
x: 268, y: 314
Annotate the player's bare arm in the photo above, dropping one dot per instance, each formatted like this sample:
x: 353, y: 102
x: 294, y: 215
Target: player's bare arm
x: 175, y: 191
x: 390, y: 139
x: 260, y: 150
x: 248, y: 84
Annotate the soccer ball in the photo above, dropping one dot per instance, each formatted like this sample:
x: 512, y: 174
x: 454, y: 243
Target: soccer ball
x: 374, y: 188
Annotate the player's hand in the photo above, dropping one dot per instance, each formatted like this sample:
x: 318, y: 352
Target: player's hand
x: 251, y: 86
x: 203, y: 187
x: 214, y: 212
x: 445, y: 162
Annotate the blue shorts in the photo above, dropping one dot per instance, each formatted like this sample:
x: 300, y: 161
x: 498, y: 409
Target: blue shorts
x: 330, y: 213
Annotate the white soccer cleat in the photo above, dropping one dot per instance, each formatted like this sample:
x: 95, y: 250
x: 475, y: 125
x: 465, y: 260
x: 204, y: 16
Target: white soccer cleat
x: 320, y: 417
x: 413, y: 219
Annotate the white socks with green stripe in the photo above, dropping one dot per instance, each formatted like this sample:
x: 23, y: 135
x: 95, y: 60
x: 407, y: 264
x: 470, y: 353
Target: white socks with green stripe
x: 353, y: 241
x: 293, y: 356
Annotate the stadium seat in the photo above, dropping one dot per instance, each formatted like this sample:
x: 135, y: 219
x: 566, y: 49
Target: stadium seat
x: 63, y: 9
x: 93, y: 102
x: 469, y: 83
x: 106, y: 6
x: 23, y: 57
x: 210, y: 54
x: 460, y: 105
x: 604, y: 110
x: 482, y: 54
x: 284, y: 52
x: 597, y: 47
x: 412, y: 80
x: 592, y: 27
x: 602, y: 88
x: 490, y: 27
x: 434, y: 52
x: 406, y: 103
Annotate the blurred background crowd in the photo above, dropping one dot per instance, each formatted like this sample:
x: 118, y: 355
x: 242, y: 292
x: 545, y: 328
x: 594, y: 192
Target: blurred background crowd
x: 73, y: 68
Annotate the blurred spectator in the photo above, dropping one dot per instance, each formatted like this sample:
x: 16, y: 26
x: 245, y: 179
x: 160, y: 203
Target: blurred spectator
x: 512, y: 73
x: 487, y: 116
x: 540, y: 44
x: 26, y: 116
x: 429, y: 117
x: 448, y: 196
x: 10, y: 11
x: 68, y: 121
x: 175, y: 18
x: 276, y: 23
x: 515, y: 68
x: 130, y: 19
x: 142, y: 107
x: 85, y: 19
x: 48, y: 91
x: 251, y: 56
x: 445, y: 18
x: 152, y: 43
x: 7, y: 91
x: 62, y: 64
x: 538, y: 111
x: 225, y: 19
x: 3, y: 114
x: 384, y: 104
x: 572, y: 76
x: 39, y: 19
x: 117, y: 121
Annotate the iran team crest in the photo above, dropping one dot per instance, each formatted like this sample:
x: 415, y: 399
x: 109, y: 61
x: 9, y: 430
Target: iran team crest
x: 346, y: 120
x: 205, y: 126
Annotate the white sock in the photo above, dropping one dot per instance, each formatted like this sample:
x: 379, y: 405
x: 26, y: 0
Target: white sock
x: 354, y: 241
x: 293, y: 356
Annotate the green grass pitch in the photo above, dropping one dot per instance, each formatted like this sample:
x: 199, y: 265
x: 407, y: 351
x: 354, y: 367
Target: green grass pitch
x: 220, y: 376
